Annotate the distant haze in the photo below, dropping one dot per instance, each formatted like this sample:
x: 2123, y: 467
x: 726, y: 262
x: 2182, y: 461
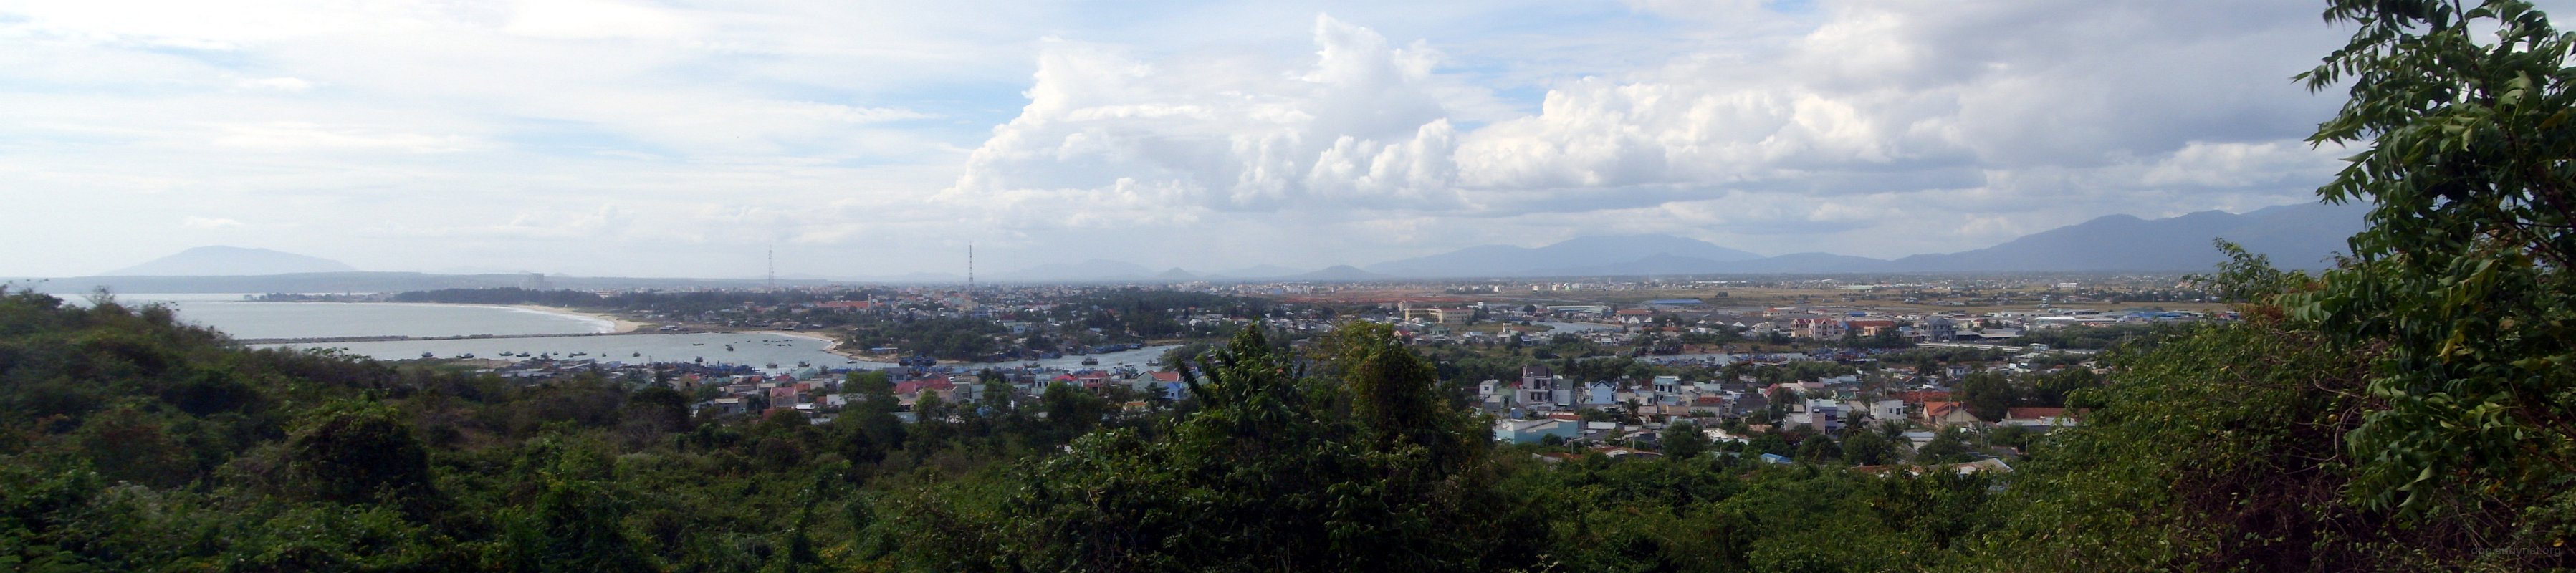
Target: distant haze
x: 2295, y: 236
x: 216, y: 261
x: 695, y: 139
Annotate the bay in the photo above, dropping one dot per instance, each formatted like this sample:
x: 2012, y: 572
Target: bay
x: 768, y: 351
x: 245, y: 319
x: 755, y: 349
x: 515, y: 330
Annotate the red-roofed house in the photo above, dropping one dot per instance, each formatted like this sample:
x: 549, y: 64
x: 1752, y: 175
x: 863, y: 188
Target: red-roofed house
x: 1943, y: 415
x: 2038, y: 417
x: 935, y: 385
x: 1092, y: 380
x: 1869, y: 327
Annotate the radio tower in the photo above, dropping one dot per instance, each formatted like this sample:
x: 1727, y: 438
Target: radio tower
x: 773, y: 267
x: 970, y: 266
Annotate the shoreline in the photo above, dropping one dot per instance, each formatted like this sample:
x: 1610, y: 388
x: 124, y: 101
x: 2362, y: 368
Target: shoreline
x: 833, y: 344
x: 617, y: 324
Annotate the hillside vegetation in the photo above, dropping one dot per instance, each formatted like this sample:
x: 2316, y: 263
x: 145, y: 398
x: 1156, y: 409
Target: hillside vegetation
x: 2410, y: 410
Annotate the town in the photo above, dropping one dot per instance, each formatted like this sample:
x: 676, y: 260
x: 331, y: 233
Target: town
x: 1936, y: 372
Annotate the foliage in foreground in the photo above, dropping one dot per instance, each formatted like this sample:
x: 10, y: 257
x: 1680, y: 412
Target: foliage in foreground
x: 2409, y: 410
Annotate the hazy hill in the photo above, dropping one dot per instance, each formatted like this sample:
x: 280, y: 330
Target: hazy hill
x: 1570, y: 255
x: 2295, y: 236
x: 374, y: 282
x: 1258, y: 271
x: 1336, y: 273
x: 223, y: 261
x: 1810, y: 263
x: 1091, y: 270
x: 2303, y: 236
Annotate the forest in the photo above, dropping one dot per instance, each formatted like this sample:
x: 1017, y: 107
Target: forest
x: 2410, y: 409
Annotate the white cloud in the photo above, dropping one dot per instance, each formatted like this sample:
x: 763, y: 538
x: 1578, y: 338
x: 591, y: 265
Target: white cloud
x: 1877, y: 115
x: 639, y: 137
x: 594, y: 19
x: 297, y: 136
x: 278, y: 84
x: 208, y: 223
x: 1356, y: 129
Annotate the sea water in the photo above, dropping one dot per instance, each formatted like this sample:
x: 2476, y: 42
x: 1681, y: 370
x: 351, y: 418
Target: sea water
x: 245, y: 319
x: 508, y: 330
x: 755, y: 349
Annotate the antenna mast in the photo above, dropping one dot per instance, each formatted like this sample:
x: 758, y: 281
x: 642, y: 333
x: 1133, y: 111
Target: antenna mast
x: 773, y: 267
x: 970, y: 266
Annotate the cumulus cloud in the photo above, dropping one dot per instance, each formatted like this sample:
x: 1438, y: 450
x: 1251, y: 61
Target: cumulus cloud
x: 1877, y: 111
x: 1171, y: 135
x: 1358, y: 128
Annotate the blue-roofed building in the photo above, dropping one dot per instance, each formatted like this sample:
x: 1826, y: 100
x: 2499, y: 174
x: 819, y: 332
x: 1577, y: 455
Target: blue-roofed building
x: 1533, y: 431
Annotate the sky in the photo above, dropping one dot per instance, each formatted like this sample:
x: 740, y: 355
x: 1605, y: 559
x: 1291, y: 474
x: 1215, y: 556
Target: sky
x: 857, y: 139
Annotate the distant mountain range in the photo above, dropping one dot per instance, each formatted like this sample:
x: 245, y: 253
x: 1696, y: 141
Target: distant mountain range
x: 223, y: 261
x: 1091, y: 270
x: 1337, y: 273
x: 2302, y: 236
x: 2294, y: 236
x: 1641, y: 251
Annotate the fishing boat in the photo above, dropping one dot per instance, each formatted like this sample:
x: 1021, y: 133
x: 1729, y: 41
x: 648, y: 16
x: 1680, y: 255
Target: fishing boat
x: 1089, y: 361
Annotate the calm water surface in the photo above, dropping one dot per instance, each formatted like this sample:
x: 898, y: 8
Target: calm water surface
x: 246, y: 319
x: 509, y: 330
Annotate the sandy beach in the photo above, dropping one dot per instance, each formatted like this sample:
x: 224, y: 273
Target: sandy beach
x: 620, y: 325
x: 837, y: 347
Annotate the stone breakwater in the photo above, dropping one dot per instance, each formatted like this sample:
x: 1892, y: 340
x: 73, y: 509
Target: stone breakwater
x: 318, y: 340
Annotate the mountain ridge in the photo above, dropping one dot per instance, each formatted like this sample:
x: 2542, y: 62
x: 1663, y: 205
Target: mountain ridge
x: 2297, y: 236
x: 230, y: 261
x: 1509, y: 260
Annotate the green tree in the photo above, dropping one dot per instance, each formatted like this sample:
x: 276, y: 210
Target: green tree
x: 1396, y: 396
x: 1867, y: 448
x: 359, y: 452
x: 1988, y: 395
x: 1274, y: 471
x: 1684, y: 440
x: 868, y: 428
x: 1949, y: 447
x: 1819, y: 447
x: 2459, y: 285
x: 572, y: 521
